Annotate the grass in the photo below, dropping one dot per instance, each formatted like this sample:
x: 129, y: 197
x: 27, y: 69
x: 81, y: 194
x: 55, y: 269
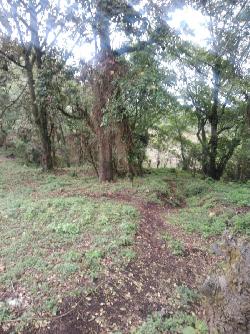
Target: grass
x: 176, y: 246
x: 181, y: 322
x: 213, y: 207
x: 186, y: 296
x: 56, y: 241
x: 51, y: 246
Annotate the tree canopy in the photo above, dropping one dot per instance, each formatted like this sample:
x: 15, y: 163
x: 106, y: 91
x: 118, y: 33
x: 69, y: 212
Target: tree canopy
x: 113, y: 76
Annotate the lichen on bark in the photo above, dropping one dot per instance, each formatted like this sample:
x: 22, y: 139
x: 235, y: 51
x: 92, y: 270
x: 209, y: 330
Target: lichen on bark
x: 227, y: 292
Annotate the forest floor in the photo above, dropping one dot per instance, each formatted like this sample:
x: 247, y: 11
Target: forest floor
x: 77, y: 256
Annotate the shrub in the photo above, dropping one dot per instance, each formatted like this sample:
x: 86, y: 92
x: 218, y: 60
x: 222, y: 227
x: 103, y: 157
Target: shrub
x: 197, y: 188
x: 187, y: 295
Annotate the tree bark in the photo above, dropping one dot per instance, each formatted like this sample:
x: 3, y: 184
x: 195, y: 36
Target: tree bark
x: 47, y: 160
x: 103, y: 91
x: 41, y: 121
x: 245, y: 161
x: 227, y: 293
x: 105, y: 155
x: 38, y: 110
x: 64, y: 146
x: 213, y: 119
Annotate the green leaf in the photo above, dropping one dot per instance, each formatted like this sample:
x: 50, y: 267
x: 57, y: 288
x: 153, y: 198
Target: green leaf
x: 189, y: 330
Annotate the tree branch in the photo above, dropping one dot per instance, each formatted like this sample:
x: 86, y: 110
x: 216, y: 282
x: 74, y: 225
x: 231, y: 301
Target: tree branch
x: 129, y: 49
x: 224, y: 129
x: 69, y: 115
x: 12, y: 59
x: 14, y: 101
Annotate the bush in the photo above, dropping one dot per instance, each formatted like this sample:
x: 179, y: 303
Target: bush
x: 197, y: 188
x: 28, y: 152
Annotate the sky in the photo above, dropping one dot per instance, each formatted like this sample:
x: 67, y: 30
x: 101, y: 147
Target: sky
x: 190, y: 23
x: 189, y: 19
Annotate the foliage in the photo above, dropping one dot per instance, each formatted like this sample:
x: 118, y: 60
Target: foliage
x: 51, y: 241
x: 241, y: 224
x: 175, y: 245
x: 214, y: 207
x: 160, y: 87
x: 212, y: 84
x: 179, y: 323
x: 187, y: 295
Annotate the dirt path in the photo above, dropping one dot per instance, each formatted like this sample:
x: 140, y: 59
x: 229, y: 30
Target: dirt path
x: 124, y: 298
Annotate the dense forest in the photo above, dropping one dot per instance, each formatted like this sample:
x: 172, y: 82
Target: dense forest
x: 124, y: 155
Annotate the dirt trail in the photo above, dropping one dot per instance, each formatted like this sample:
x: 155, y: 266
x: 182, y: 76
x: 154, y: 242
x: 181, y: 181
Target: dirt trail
x: 124, y: 298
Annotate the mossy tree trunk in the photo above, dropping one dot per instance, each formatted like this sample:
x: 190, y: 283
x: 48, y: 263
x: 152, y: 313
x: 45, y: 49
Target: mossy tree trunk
x: 227, y: 295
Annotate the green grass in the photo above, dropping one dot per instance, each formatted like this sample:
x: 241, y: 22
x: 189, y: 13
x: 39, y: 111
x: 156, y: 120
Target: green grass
x: 176, y: 246
x: 55, y: 240
x: 180, y: 322
x: 186, y: 295
x: 62, y: 236
x: 213, y: 207
x: 52, y: 245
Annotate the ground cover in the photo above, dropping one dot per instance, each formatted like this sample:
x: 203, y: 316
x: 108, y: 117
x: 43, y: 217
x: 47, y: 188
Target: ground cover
x: 80, y: 257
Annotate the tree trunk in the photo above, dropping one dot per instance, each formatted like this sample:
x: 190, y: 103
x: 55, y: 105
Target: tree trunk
x: 212, y: 169
x: 213, y: 119
x: 103, y: 88
x: 41, y: 121
x: 53, y: 142
x: 47, y: 161
x: 245, y: 161
x: 105, y: 155
x: 39, y: 111
x: 64, y: 146
x: 228, y: 293
x: 202, y: 137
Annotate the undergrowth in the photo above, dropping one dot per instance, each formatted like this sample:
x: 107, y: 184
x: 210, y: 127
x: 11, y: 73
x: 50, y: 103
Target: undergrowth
x: 180, y: 322
x: 213, y: 207
x: 56, y: 241
x: 54, y: 246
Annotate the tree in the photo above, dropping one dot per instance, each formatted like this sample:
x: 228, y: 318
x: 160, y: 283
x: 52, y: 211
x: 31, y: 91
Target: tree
x: 214, y: 82
x: 139, y: 31
x: 27, y: 28
x: 139, y: 101
x: 29, y: 41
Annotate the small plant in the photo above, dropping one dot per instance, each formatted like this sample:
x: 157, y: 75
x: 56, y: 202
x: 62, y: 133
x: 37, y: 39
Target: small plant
x: 125, y: 240
x: 73, y: 173
x: 241, y: 224
x: 93, y: 261
x: 72, y: 256
x: 4, y: 312
x: 67, y: 268
x: 197, y: 188
x: 51, y: 306
x: 187, y: 296
x: 128, y: 254
x: 177, y: 248
x: 181, y: 323
x: 65, y: 228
